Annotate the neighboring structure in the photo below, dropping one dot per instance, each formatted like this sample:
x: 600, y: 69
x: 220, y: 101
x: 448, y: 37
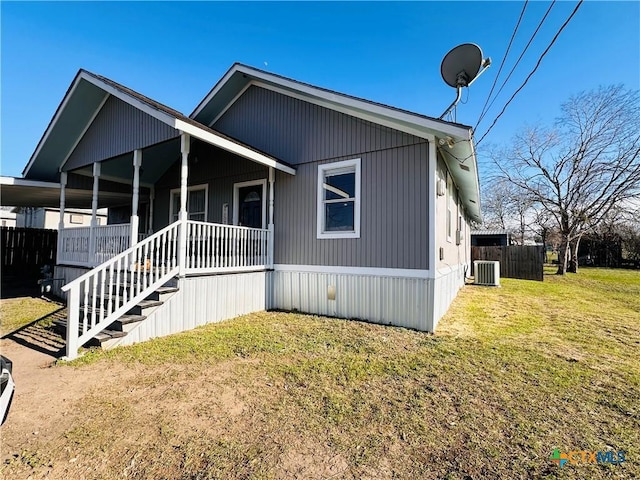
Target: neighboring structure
x: 490, y: 238
x: 49, y: 218
x: 306, y: 199
x: 7, y: 217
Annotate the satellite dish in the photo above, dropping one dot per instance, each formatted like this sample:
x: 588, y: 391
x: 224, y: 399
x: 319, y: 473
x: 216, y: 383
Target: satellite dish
x: 460, y: 68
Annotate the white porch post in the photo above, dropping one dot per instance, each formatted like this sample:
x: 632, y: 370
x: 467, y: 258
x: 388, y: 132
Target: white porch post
x: 63, y: 186
x: 152, y: 197
x: 135, y: 220
x: 272, y: 180
x: 94, y: 213
x: 183, y: 215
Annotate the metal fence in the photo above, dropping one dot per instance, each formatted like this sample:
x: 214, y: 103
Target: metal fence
x: 516, y: 261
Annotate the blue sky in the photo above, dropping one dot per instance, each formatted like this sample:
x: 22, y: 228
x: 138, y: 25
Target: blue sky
x: 386, y: 52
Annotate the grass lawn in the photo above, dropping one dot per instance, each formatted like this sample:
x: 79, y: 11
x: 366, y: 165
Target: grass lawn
x: 18, y: 312
x: 512, y: 374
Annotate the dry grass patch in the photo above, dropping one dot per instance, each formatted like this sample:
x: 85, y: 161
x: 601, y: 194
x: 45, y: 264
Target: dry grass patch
x: 512, y: 374
x: 21, y: 311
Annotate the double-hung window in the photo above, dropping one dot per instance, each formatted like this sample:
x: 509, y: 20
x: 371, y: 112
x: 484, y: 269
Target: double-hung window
x: 339, y: 199
x: 196, y: 203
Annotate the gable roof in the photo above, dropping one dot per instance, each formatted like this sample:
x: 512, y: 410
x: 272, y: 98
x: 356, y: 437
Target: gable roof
x: 81, y: 104
x: 454, y: 141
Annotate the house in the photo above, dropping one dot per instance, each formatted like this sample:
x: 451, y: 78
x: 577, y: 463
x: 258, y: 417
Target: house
x: 49, y: 217
x: 490, y: 238
x: 272, y: 194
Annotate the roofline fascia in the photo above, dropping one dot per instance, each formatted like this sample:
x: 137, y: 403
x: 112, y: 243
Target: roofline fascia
x: 308, y: 92
x: 25, y: 182
x: 109, y: 89
x: 131, y: 100
x: 477, y: 179
x: 212, y: 93
x: 54, y: 120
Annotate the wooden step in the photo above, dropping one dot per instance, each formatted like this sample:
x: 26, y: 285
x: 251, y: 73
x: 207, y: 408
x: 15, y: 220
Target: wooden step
x: 60, y: 326
x: 120, y: 327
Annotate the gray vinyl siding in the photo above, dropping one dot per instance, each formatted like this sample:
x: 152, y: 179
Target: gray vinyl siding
x: 298, y: 132
x: 118, y: 128
x: 394, y: 204
x: 394, y: 214
x: 218, y: 169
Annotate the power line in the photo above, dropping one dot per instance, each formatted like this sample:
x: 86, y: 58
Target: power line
x: 504, y: 59
x: 532, y: 71
x: 482, y: 115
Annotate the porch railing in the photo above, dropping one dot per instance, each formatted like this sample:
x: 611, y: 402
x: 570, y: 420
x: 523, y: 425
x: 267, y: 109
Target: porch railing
x: 213, y: 247
x: 102, y: 295
x: 75, y: 246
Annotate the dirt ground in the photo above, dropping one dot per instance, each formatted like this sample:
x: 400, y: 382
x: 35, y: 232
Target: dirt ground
x: 54, y: 412
x: 41, y: 392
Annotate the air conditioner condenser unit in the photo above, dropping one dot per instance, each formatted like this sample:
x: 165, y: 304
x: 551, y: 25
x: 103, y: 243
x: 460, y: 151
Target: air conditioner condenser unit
x: 486, y: 273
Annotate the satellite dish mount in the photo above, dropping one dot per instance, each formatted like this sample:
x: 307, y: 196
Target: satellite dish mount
x: 461, y: 67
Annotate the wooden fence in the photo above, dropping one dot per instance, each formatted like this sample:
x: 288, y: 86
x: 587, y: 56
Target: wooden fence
x: 25, y: 250
x: 524, y: 262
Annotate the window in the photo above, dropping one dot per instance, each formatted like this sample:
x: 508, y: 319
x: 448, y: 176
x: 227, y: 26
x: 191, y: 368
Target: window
x: 339, y: 199
x: 196, y: 203
x: 449, y: 206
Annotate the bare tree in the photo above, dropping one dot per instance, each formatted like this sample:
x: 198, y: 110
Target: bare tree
x: 497, y: 205
x: 506, y: 206
x: 578, y: 170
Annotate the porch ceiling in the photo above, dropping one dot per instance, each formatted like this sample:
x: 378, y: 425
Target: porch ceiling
x: 18, y: 192
x: 156, y: 160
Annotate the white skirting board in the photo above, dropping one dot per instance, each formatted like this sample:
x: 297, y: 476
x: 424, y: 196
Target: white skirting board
x: 201, y: 300
x: 403, y: 302
x: 416, y: 303
x: 446, y: 287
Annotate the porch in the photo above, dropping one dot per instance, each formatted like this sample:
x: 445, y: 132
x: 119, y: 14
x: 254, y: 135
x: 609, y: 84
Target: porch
x: 210, y: 247
x: 202, y: 203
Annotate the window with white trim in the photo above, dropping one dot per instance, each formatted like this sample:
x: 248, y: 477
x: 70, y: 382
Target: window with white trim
x: 197, y: 199
x: 338, y: 206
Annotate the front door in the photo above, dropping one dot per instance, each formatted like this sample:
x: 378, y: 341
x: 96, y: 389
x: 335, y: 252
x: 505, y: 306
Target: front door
x: 250, y: 206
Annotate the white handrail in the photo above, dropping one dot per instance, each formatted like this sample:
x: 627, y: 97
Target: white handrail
x: 102, y: 295
x: 213, y: 247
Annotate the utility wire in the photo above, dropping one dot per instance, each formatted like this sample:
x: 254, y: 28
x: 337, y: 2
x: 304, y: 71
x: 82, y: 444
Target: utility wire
x: 532, y: 71
x: 516, y: 64
x: 504, y: 59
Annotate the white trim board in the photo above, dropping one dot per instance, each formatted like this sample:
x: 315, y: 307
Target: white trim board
x: 84, y: 131
x: 23, y: 182
x: 355, y: 163
x: 130, y: 99
x: 363, y: 115
x: 230, y: 104
x: 336, y: 101
x: 53, y: 122
x: 190, y: 188
x: 343, y: 270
